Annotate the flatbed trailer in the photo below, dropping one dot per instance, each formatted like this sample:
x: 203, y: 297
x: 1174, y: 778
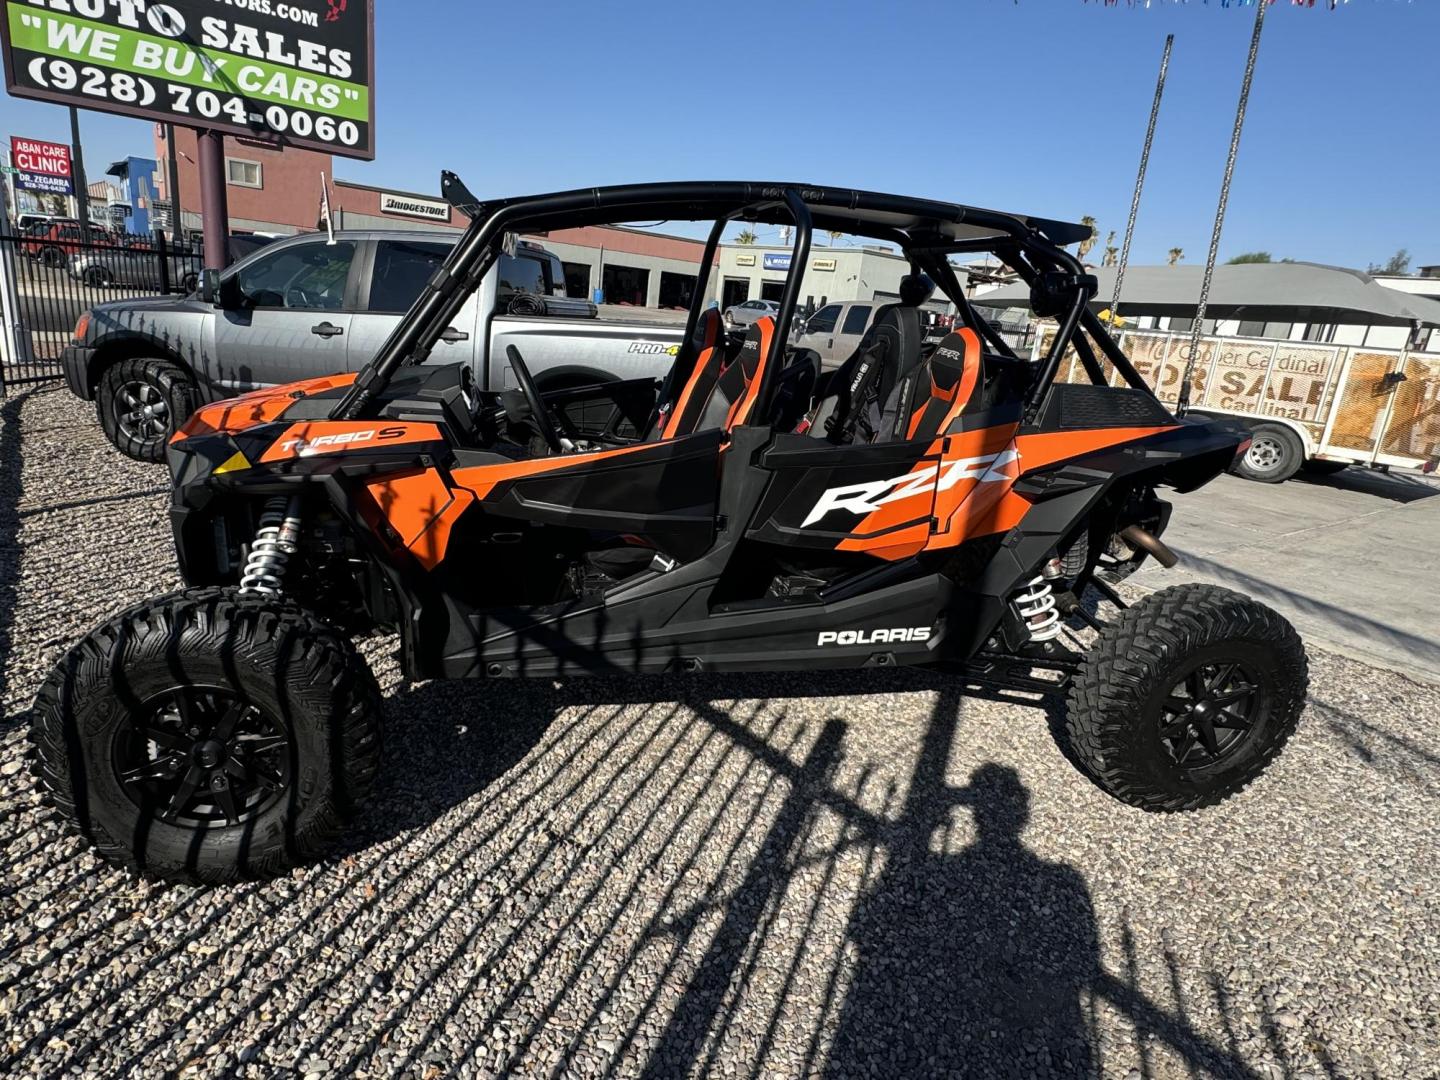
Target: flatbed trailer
x: 1303, y: 402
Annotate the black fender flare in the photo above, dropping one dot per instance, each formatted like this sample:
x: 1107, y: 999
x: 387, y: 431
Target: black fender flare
x: 114, y: 348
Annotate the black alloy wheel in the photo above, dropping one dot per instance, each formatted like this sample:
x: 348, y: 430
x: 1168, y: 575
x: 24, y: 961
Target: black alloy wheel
x: 1208, y: 714
x: 203, y: 757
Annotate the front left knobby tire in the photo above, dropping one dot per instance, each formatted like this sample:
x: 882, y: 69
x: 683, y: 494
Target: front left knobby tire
x: 209, y: 736
x: 1186, y: 698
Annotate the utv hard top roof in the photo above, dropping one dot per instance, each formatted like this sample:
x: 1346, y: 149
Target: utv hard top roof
x: 865, y: 213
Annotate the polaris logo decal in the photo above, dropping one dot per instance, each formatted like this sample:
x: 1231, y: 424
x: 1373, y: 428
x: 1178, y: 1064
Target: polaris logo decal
x: 879, y: 636
x: 871, y: 496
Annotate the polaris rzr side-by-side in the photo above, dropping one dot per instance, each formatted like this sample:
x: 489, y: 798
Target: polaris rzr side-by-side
x: 945, y: 504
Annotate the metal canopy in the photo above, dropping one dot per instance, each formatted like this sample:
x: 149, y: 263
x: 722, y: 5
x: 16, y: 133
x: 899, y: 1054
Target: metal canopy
x: 1260, y: 292
x: 849, y: 209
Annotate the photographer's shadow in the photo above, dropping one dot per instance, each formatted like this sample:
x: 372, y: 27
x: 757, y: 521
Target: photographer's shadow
x: 974, y: 961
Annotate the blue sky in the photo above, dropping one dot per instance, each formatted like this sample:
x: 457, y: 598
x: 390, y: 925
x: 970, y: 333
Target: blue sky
x: 1036, y: 106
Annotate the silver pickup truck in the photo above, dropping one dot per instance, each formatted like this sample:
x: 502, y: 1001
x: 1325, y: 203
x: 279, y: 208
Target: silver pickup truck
x: 305, y: 306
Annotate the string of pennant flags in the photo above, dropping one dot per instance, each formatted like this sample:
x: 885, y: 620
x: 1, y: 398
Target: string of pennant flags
x: 1331, y: 4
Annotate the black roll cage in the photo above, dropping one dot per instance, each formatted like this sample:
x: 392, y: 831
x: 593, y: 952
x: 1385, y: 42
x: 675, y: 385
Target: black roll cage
x: 1029, y: 246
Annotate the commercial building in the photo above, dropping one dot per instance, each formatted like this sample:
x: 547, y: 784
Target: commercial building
x: 268, y: 190
x: 869, y: 272
x: 137, y: 182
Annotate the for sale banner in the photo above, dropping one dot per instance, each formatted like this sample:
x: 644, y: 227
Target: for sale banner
x: 297, y: 73
x: 42, y: 167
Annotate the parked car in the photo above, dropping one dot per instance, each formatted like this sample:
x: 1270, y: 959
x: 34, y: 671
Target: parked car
x: 743, y: 316
x: 835, y: 330
x: 54, y: 245
x: 138, y: 265
x: 25, y: 223
x: 303, y: 307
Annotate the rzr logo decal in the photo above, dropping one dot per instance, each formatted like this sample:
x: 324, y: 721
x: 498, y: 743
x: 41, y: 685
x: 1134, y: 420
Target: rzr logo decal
x: 871, y: 496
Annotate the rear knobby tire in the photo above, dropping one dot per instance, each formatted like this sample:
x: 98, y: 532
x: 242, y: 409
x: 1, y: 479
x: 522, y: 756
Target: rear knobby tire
x: 300, y: 688
x: 1124, y: 697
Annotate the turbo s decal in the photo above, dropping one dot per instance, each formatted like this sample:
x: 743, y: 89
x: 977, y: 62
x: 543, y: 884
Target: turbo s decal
x: 868, y: 497
x: 308, y: 439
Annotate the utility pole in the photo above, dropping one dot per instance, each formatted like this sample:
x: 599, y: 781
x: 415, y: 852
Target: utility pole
x: 77, y: 175
x: 213, y: 202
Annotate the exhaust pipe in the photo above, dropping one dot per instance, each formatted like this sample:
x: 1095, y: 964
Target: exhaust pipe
x: 1141, y: 540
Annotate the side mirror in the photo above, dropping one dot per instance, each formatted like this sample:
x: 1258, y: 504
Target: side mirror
x: 209, y: 289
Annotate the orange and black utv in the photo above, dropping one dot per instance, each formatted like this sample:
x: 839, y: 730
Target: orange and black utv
x: 951, y: 505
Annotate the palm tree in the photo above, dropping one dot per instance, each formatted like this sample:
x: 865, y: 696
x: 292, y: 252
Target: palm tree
x: 1089, y: 241
x: 1112, y: 253
x: 1176, y: 254
x: 746, y: 236
x: 834, y: 235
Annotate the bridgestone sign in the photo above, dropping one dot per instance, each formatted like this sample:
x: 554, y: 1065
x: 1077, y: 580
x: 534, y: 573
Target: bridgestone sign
x: 298, y: 73
x: 413, y: 207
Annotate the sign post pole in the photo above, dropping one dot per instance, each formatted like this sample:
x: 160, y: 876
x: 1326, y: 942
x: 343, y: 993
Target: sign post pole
x: 77, y: 172
x: 172, y: 185
x: 213, y: 204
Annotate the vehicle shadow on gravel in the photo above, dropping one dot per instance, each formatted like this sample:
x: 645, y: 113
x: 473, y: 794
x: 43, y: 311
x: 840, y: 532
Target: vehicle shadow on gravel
x: 11, y: 488
x: 976, y: 958
x: 984, y: 961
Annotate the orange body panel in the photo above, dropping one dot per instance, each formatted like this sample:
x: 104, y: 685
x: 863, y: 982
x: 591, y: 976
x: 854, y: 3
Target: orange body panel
x: 312, y: 438
x: 968, y: 492
x: 421, y: 510
x: 256, y: 407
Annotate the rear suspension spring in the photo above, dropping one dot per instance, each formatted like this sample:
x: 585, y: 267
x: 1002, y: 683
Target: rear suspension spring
x: 1035, y: 604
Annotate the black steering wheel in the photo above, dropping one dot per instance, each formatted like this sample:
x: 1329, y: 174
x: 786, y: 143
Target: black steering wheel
x: 544, y: 423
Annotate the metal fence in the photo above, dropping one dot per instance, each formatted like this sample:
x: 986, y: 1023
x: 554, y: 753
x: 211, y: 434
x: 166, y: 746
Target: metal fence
x: 49, y: 279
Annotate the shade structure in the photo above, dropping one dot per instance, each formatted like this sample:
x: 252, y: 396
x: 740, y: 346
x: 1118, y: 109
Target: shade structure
x: 1260, y: 292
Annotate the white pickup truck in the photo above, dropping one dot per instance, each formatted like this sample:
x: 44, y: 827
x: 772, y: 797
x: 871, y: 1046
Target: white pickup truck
x: 305, y: 306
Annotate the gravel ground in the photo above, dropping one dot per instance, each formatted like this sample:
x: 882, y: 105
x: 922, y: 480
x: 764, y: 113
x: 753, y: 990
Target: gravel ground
x: 777, y: 876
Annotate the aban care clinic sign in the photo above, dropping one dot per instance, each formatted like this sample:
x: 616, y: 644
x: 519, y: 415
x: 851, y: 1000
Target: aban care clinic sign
x: 299, y: 73
x: 42, y: 167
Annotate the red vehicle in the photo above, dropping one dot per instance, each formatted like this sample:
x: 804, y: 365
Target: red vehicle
x: 54, y: 245
x: 951, y: 507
